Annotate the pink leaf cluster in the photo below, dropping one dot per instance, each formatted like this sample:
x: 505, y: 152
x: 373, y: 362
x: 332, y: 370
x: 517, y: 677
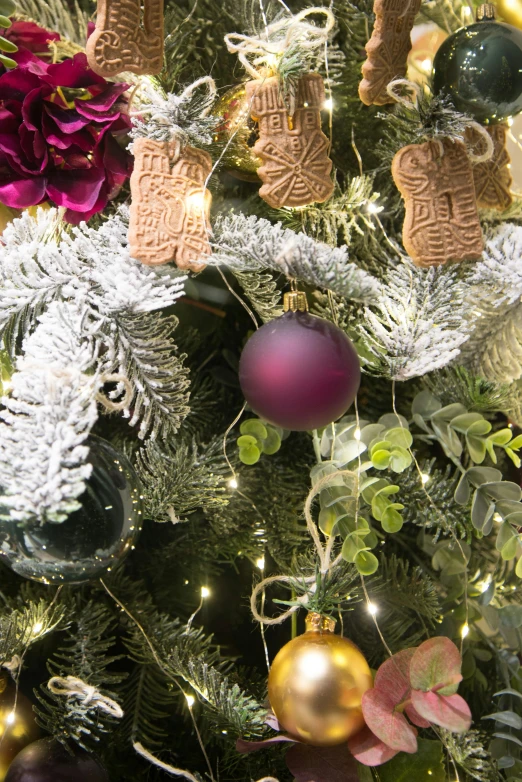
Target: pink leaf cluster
x: 415, y: 688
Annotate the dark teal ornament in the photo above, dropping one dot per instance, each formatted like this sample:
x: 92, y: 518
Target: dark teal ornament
x: 93, y: 539
x: 480, y: 68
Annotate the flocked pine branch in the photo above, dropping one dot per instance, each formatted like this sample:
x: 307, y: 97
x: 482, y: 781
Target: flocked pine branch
x: 419, y: 322
x: 22, y: 627
x: 252, y: 244
x: 67, y: 19
x: 40, y: 263
x: 46, y: 420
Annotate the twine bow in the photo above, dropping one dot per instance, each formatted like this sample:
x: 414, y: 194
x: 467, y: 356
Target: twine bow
x: 72, y: 687
x: 324, y: 554
x: 412, y: 99
x: 278, y: 37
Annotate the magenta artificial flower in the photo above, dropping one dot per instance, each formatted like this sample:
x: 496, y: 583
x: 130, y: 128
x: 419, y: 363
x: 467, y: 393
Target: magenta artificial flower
x: 58, y: 129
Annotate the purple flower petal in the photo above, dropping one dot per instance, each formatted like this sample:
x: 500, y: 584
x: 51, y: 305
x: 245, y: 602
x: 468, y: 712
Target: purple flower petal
x: 21, y: 193
x: 75, y: 217
x: 10, y: 143
x: 73, y: 73
x: 68, y: 120
x: 98, y: 107
x: 8, y: 121
x: 54, y: 136
x: 30, y: 36
x: 17, y: 83
x: 77, y: 190
x: 114, y: 157
x: 35, y: 163
x: 32, y: 108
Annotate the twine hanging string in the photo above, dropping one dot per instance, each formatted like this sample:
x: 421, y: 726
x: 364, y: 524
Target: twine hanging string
x: 411, y: 99
x: 72, y: 687
x: 324, y: 554
x: 258, y: 52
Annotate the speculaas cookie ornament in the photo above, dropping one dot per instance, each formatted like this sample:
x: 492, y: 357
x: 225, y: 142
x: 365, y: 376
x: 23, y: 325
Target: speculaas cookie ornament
x: 128, y: 37
x: 436, y: 181
x: 388, y: 48
x: 169, y: 214
x: 295, y: 168
x: 492, y: 177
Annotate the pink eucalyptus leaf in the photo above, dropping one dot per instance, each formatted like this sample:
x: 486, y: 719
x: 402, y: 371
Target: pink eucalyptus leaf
x: 272, y: 721
x: 415, y: 717
x: 389, y: 725
x: 21, y: 193
x: 246, y: 747
x: 393, y: 677
x: 369, y: 750
x: 321, y: 764
x: 449, y: 711
x: 436, y: 664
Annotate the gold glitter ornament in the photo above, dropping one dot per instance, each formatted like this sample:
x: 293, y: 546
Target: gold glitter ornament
x: 18, y: 726
x: 316, y: 684
x: 240, y: 159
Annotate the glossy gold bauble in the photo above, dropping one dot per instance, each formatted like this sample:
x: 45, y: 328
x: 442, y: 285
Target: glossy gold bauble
x: 18, y: 727
x: 316, y: 684
x: 510, y: 11
x: 238, y: 128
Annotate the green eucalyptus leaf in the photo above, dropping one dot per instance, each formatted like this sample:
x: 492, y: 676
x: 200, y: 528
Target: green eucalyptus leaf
x: 506, y: 718
x: 476, y: 447
x: 400, y: 437
x: 515, y: 458
x: 7, y: 61
x: 347, y: 452
x: 5, y: 22
x: 381, y: 460
x: 254, y: 427
x: 501, y: 437
x: 379, y: 445
x: 366, y: 563
x: 249, y: 455
x: 449, y: 412
x: 505, y: 534
x: 400, y: 460
x: 392, y: 520
x: 419, y: 421
x: 327, y: 520
x: 448, y: 437
x: 272, y: 443
x: 462, y: 492
x: 464, y: 421
x: 7, y: 46
x: 391, y: 420
x: 503, y: 490
x: 371, y: 432
x: 246, y: 440
x: 516, y: 443
x: 510, y: 615
x: 482, y: 510
x: 510, y: 549
x: 7, y: 7
x: 352, y: 546
x: 479, y: 475
x: 480, y: 428
x: 518, y: 568
x: 425, y: 404
x: 376, y: 486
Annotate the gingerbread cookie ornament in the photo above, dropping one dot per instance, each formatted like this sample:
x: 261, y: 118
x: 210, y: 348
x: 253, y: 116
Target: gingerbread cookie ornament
x: 492, y: 177
x: 388, y: 48
x: 295, y: 168
x: 169, y: 214
x: 128, y: 37
x: 436, y: 181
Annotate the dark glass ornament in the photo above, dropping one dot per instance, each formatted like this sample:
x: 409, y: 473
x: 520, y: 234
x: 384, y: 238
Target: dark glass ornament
x: 49, y: 761
x: 92, y: 539
x: 18, y: 726
x: 480, y: 68
x: 299, y: 372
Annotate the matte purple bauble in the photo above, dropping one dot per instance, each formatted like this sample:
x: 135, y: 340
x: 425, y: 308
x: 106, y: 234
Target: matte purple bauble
x: 299, y: 372
x: 49, y: 761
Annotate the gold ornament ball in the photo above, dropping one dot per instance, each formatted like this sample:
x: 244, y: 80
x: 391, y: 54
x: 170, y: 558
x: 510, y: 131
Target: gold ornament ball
x: 18, y: 727
x: 510, y: 11
x: 233, y: 111
x: 316, y: 684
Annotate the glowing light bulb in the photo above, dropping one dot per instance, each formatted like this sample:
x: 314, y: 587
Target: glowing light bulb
x: 328, y: 104
x: 485, y: 585
x: 357, y: 434
x: 425, y: 478
x: 10, y: 718
x: 190, y: 700
x: 37, y: 628
x: 205, y: 592
x: 233, y: 484
x: 465, y: 630
x: 372, y: 608
x: 260, y: 563
x: 426, y: 65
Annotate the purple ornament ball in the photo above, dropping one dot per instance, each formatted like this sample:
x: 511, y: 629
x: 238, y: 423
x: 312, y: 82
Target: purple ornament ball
x: 49, y: 761
x: 299, y: 372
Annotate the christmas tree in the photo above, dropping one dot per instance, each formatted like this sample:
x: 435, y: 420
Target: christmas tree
x: 261, y: 368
